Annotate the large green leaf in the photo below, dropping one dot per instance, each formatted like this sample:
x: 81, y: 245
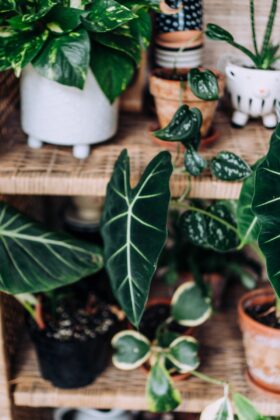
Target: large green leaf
x: 106, y: 15
x: 134, y: 230
x: 63, y: 19
x: 132, y: 349
x: 32, y: 11
x: 113, y: 70
x: 204, y: 84
x: 183, y: 353
x: 160, y: 392
x: 245, y: 409
x: 33, y: 259
x: 65, y: 59
x: 141, y: 28
x: 229, y: 167
x: 266, y: 206
x: 184, y: 127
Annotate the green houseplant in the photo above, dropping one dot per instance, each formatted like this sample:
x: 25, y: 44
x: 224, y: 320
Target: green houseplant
x: 76, y: 58
x: 254, y: 85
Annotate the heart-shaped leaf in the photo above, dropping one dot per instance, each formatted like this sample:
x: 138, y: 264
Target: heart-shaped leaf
x: 245, y: 409
x: 65, y: 59
x: 132, y: 349
x: 136, y: 220
x: 217, y: 33
x: 194, y: 162
x: 204, y: 84
x: 229, y: 167
x: 35, y: 260
x: 213, y: 228
x: 183, y: 353
x: 184, y: 127
x: 189, y: 306
x: 266, y: 206
x: 160, y: 392
x: 219, y: 410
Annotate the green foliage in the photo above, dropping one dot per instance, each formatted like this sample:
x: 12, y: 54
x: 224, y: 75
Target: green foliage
x: 204, y: 84
x: 61, y: 41
x: 194, y: 162
x: 136, y: 219
x: 34, y: 259
x: 245, y: 409
x: 263, y: 58
x: 227, y: 166
x: 131, y: 350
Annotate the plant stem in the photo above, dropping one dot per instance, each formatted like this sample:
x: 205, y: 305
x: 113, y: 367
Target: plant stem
x: 277, y: 312
x: 187, y: 190
x: 253, y: 26
x: 208, y: 379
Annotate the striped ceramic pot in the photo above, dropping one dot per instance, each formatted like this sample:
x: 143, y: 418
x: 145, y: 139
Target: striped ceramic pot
x: 254, y: 94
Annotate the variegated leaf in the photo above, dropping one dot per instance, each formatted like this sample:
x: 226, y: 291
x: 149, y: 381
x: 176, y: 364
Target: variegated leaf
x: 227, y: 166
x: 131, y: 350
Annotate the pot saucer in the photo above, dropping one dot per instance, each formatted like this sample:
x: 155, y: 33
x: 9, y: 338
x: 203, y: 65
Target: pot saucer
x: 259, y: 387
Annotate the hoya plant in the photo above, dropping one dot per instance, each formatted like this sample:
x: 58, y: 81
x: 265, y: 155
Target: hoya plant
x: 169, y: 351
x: 262, y: 57
x: 62, y: 39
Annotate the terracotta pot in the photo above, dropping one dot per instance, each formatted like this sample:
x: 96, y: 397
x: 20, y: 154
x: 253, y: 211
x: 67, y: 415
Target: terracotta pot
x: 261, y: 343
x: 168, y: 93
x: 217, y: 283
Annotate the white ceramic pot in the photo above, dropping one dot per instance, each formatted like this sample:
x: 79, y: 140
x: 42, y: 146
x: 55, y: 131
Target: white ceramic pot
x: 90, y: 414
x: 254, y: 94
x: 66, y: 116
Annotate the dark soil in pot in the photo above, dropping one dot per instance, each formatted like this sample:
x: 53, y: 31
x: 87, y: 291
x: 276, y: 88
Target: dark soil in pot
x: 74, y: 348
x: 264, y: 314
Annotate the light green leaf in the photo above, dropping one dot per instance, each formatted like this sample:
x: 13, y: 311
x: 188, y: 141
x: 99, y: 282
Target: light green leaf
x: 183, y: 353
x: 204, y: 84
x: 219, y: 410
x: 106, y: 15
x: 65, y: 59
x: 194, y: 162
x: 34, y: 259
x: 189, y: 306
x: 112, y: 69
x: 136, y: 220
x: 160, y: 392
x: 184, y: 127
x: 229, y: 167
x: 245, y: 409
x: 132, y: 349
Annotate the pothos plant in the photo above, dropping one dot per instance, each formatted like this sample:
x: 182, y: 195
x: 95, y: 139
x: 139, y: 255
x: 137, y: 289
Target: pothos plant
x: 62, y: 39
x: 264, y: 57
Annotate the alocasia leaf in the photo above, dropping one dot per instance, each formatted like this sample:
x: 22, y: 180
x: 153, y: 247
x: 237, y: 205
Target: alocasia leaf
x: 33, y: 259
x: 183, y: 353
x: 184, y: 127
x: 65, y: 59
x: 204, y: 84
x: 160, y: 392
x: 134, y: 230
x: 131, y: 350
x: 245, y: 409
x: 194, y: 162
x: 266, y: 206
x: 227, y: 166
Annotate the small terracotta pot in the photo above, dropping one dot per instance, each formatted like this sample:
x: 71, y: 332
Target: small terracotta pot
x: 167, y: 94
x: 261, y: 343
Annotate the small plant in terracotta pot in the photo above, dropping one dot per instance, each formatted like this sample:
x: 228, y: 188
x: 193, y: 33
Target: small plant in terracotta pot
x: 162, y: 346
x: 197, y: 88
x: 254, y: 85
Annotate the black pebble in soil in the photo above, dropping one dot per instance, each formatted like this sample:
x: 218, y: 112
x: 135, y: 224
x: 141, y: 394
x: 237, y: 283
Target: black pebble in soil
x: 264, y: 314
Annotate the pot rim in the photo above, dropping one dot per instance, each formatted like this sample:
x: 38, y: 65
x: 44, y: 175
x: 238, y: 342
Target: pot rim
x: 219, y: 74
x: 252, y: 324
x: 242, y: 67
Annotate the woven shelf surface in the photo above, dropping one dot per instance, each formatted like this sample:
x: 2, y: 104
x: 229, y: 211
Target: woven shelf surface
x: 222, y: 357
x: 54, y: 171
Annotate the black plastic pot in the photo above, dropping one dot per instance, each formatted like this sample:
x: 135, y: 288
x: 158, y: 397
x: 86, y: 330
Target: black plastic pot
x: 73, y: 363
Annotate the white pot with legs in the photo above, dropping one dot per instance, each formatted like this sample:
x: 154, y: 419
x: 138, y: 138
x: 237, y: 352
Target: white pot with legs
x: 254, y: 93
x: 65, y: 116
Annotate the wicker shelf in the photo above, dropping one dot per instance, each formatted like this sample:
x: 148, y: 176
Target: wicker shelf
x: 222, y: 357
x: 53, y: 170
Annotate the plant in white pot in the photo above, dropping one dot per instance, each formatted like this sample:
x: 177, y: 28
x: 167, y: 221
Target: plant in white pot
x: 254, y: 85
x: 77, y: 58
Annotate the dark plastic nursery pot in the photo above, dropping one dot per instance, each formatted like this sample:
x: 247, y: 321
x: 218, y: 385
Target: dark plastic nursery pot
x: 73, y: 363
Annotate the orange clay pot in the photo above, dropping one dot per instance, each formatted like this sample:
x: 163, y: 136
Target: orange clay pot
x: 167, y: 95
x: 261, y: 343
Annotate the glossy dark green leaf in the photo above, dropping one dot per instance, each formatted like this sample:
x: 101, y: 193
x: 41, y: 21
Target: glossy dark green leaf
x: 189, y: 306
x: 217, y: 33
x: 227, y: 166
x: 131, y: 350
x: 194, y: 162
x: 136, y: 220
x: 160, y: 392
x: 33, y: 259
x: 106, y: 15
x: 213, y: 228
x: 184, y: 127
x: 183, y: 353
x: 247, y: 222
x: 204, y: 84
x: 266, y: 206
x: 63, y: 19
x: 65, y: 59
x: 245, y: 409
x: 141, y: 28
x: 32, y: 11
x: 113, y: 70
